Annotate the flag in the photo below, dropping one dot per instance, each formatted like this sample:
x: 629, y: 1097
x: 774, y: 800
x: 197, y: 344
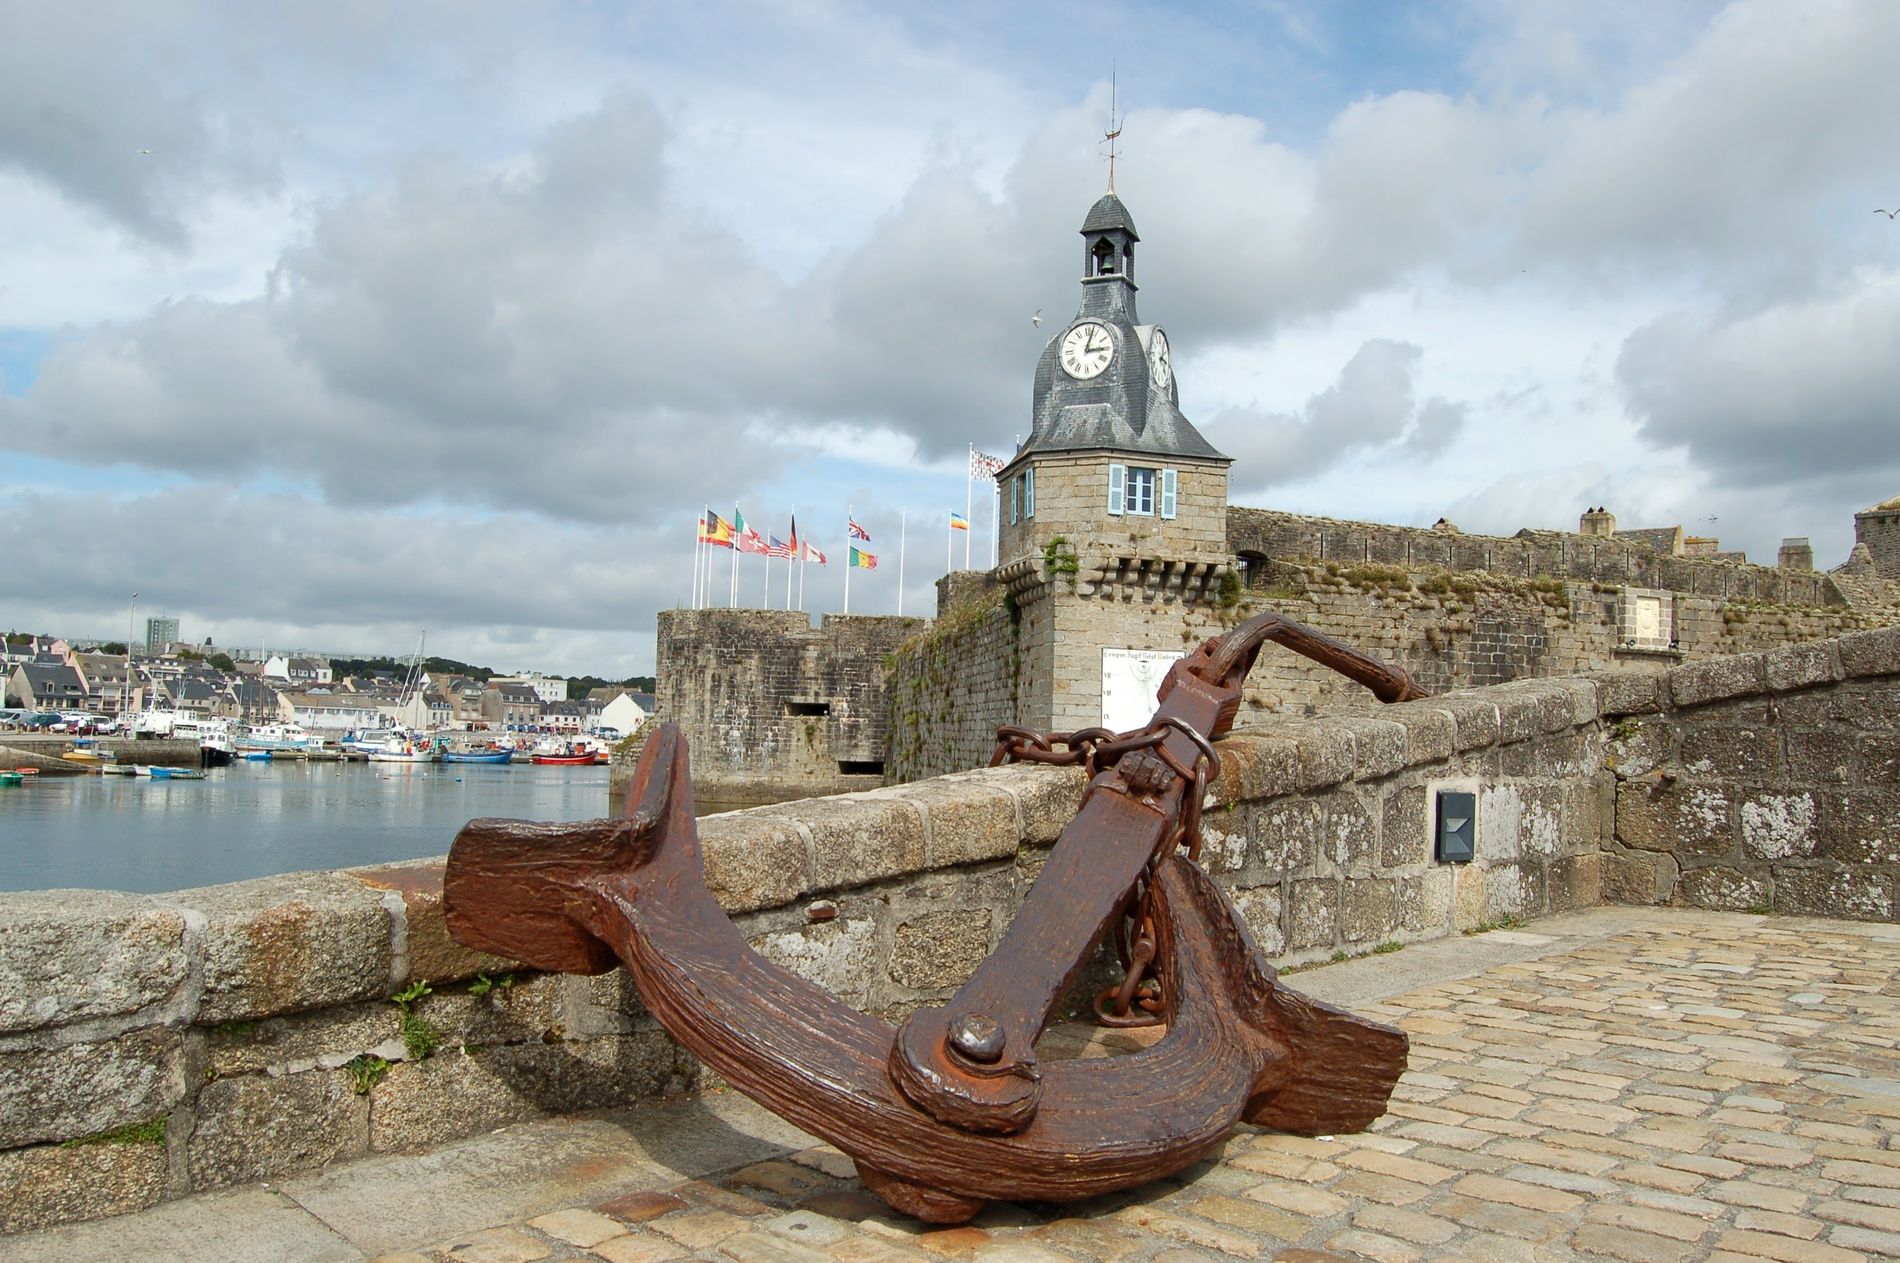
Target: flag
x: 983, y: 465
x: 853, y: 531
x: 958, y: 522
x: 778, y: 548
x: 715, y: 530
x: 863, y: 560
x: 748, y: 540
x: 794, y: 534
x: 812, y: 554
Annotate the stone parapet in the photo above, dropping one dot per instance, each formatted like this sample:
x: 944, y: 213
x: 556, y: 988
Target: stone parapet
x: 155, y: 1046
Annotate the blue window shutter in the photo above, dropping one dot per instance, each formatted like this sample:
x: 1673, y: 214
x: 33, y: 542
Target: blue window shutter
x: 1029, y: 492
x: 1117, y: 478
x: 1167, y: 493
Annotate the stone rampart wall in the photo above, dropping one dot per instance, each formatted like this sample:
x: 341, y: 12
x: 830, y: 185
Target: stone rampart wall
x: 1464, y: 630
x: 1540, y: 554
x: 957, y: 682
x: 1763, y: 782
x: 156, y: 1046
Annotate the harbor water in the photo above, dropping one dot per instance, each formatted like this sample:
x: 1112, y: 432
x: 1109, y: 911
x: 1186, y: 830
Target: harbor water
x: 256, y: 819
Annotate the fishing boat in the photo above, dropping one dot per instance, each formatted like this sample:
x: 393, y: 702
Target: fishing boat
x: 477, y: 756
x: 404, y: 750
x: 287, y: 738
x: 568, y: 759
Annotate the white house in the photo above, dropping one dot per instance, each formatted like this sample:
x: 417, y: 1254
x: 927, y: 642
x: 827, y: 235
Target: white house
x: 624, y: 714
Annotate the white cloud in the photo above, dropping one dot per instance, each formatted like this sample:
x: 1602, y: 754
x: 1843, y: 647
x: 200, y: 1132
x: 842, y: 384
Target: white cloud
x: 586, y: 270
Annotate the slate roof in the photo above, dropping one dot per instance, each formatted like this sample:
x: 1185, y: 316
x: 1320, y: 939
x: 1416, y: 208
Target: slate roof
x: 1108, y: 214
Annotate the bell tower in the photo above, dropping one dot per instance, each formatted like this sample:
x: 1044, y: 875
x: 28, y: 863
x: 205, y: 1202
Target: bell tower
x: 1113, y: 531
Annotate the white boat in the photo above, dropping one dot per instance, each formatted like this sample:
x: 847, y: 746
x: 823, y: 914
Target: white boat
x: 404, y: 750
x: 273, y: 737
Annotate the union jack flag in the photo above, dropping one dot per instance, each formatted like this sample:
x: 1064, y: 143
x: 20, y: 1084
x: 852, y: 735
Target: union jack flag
x: 854, y: 531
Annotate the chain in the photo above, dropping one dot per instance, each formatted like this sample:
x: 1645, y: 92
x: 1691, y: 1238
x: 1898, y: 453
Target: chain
x: 1139, y: 1000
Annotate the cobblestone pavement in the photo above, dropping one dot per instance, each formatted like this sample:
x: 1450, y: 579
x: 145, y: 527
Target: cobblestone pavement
x: 1706, y: 1087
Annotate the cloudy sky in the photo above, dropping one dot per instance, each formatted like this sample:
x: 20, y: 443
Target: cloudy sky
x: 323, y: 325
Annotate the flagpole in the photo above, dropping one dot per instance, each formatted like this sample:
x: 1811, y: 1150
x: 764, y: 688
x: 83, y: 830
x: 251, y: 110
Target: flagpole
x: 969, y: 481
x: 732, y: 598
x: 848, y: 546
x: 699, y: 551
x: 996, y: 521
x: 949, y: 542
x: 903, y: 532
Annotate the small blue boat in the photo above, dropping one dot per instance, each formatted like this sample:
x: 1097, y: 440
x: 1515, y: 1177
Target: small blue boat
x: 477, y: 756
x: 255, y: 756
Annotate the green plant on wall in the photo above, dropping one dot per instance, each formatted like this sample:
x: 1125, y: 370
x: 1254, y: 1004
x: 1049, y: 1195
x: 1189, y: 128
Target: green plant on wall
x: 365, y: 1071
x: 1059, y: 558
x: 149, y: 1132
x: 419, y: 1036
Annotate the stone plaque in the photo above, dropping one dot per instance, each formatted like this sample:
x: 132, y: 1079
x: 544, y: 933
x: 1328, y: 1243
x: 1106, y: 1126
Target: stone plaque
x: 1648, y: 618
x: 1129, y: 680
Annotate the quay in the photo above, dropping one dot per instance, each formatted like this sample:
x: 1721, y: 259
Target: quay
x: 42, y: 750
x: 1632, y: 1084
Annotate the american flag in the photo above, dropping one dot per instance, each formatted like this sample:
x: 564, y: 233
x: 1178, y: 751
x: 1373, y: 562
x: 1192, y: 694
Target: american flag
x: 778, y: 548
x: 983, y: 465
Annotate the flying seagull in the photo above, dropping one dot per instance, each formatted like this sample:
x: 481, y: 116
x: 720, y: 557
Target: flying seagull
x: 1037, y: 318
x: 1888, y: 213
x: 146, y: 152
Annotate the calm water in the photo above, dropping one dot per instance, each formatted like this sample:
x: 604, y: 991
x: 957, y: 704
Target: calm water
x: 254, y: 819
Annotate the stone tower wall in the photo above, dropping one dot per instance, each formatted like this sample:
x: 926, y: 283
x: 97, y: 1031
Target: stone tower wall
x: 1072, y: 502
x: 1879, y: 529
x: 772, y: 706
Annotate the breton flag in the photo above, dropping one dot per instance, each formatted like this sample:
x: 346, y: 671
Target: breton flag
x: 958, y: 522
x: 983, y: 465
x: 854, y: 531
x: 715, y: 530
x: 778, y: 548
x: 863, y: 560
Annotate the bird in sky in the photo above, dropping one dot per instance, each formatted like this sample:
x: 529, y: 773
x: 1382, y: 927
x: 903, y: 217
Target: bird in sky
x: 1037, y: 318
x: 146, y: 152
x: 1888, y: 213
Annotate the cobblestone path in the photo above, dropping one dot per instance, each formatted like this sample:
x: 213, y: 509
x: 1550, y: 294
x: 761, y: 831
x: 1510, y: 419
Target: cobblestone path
x: 1724, y: 1089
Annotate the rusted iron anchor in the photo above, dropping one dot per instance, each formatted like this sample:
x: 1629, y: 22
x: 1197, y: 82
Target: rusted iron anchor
x: 953, y: 1108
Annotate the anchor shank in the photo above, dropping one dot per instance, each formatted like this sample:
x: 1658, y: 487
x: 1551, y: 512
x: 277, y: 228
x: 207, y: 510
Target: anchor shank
x: 941, y: 1058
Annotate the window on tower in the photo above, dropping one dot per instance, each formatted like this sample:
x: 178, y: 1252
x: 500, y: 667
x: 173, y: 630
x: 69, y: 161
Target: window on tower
x: 1104, y: 258
x: 1140, y: 496
x: 1133, y: 489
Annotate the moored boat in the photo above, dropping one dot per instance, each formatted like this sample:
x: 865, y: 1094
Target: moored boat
x: 11, y: 778
x: 571, y: 759
x: 477, y: 756
x: 404, y: 750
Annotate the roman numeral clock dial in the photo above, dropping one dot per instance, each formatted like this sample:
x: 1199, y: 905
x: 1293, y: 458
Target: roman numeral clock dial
x: 1087, y: 350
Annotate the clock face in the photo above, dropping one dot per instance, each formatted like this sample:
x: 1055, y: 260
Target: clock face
x: 1160, y: 360
x: 1087, y: 349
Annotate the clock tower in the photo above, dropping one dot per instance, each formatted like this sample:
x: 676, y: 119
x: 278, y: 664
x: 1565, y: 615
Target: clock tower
x: 1113, y: 534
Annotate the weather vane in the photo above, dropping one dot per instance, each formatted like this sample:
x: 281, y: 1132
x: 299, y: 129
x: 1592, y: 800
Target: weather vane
x: 1114, y: 128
